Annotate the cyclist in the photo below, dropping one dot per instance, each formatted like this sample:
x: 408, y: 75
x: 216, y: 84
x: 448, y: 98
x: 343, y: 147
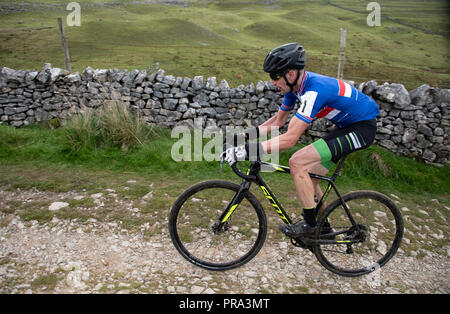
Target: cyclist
x: 353, y: 113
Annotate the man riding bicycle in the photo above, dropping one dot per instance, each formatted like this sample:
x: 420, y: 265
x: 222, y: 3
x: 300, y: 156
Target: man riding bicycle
x: 353, y: 113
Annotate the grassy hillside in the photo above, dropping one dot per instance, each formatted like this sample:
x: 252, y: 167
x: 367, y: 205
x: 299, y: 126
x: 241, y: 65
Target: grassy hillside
x: 229, y: 39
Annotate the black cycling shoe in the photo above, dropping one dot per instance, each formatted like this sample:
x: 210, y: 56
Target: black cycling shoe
x: 299, y: 229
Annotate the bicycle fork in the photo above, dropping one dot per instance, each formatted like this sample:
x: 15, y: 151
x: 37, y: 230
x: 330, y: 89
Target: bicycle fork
x: 237, y: 199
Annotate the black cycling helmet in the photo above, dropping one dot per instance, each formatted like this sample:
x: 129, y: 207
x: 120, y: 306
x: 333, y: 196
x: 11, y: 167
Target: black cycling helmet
x: 286, y: 57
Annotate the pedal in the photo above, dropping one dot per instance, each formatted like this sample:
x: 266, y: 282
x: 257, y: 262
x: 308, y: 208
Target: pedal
x: 298, y: 242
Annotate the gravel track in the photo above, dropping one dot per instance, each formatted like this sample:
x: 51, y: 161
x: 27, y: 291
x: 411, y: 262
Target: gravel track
x: 92, y: 256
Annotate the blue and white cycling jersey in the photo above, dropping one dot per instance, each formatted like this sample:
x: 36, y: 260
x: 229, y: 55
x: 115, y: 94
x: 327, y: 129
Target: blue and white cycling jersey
x: 323, y: 96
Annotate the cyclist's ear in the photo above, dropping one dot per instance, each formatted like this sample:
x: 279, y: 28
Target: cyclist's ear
x: 292, y: 74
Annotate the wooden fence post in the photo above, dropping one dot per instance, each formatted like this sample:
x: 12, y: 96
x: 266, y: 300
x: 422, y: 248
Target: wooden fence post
x: 64, y: 43
x: 340, y: 73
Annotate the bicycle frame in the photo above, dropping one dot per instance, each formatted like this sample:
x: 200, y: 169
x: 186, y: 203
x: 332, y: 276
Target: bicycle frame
x: 210, y: 243
x: 255, y: 171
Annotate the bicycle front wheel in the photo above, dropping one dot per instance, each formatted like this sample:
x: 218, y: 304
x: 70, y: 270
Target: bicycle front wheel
x: 195, y: 234
x: 365, y: 244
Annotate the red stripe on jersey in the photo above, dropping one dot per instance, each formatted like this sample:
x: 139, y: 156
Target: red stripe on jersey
x: 341, y: 88
x: 307, y: 117
x: 324, y: 112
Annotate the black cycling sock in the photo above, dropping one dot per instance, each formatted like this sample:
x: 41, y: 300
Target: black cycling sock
x: 310, y: 216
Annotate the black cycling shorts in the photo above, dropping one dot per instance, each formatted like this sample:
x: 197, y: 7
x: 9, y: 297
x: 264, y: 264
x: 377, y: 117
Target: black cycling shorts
x: 342, y: 141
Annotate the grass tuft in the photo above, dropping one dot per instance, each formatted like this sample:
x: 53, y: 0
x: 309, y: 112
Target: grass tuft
x: 113, y: 125
x: 82, y: 131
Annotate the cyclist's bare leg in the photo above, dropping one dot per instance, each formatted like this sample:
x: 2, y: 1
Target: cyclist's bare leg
x: 301, y: 163
x: 320, y: 170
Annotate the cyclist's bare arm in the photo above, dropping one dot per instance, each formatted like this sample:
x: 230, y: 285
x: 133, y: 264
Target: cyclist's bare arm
x: 287, y: 140
x: 277, y: 121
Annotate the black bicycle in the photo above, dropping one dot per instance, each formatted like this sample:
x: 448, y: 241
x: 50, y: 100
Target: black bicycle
x: 220, y: 225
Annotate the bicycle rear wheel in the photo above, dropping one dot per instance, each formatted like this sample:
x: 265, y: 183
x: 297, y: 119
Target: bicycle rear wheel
x: 195, y: 234
x: 364, y: 245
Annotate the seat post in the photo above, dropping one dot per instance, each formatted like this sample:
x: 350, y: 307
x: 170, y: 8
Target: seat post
x: 337, y: 172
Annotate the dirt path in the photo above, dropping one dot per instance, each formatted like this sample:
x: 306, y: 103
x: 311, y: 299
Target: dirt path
x: 75, y: 256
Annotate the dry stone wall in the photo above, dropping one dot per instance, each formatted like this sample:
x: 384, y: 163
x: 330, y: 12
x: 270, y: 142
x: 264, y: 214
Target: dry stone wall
x: 414, y: 123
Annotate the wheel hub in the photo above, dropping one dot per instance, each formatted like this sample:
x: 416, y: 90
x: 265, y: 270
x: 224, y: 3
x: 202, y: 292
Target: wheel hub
x: 358, y: 233
x: 220, y: 227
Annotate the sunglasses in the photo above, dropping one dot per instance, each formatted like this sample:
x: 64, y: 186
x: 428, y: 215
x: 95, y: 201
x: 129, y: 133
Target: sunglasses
x: 276, y: 76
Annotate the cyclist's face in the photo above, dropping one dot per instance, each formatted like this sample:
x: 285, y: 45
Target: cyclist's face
x: 280, y: 84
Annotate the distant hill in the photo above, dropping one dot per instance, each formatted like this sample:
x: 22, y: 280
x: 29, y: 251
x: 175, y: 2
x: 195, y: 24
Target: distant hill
x: 229, y: 39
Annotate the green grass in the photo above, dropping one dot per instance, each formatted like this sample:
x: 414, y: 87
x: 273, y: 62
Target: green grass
x: 41, y: 147
x: 229, y: 39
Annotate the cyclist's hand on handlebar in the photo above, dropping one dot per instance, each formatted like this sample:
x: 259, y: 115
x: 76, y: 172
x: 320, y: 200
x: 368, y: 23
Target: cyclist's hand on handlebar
x: 249, y: 151
x: 233, y: 154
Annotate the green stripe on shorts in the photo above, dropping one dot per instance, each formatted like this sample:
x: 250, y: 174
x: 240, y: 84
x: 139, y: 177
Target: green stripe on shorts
x: 324, y: 152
